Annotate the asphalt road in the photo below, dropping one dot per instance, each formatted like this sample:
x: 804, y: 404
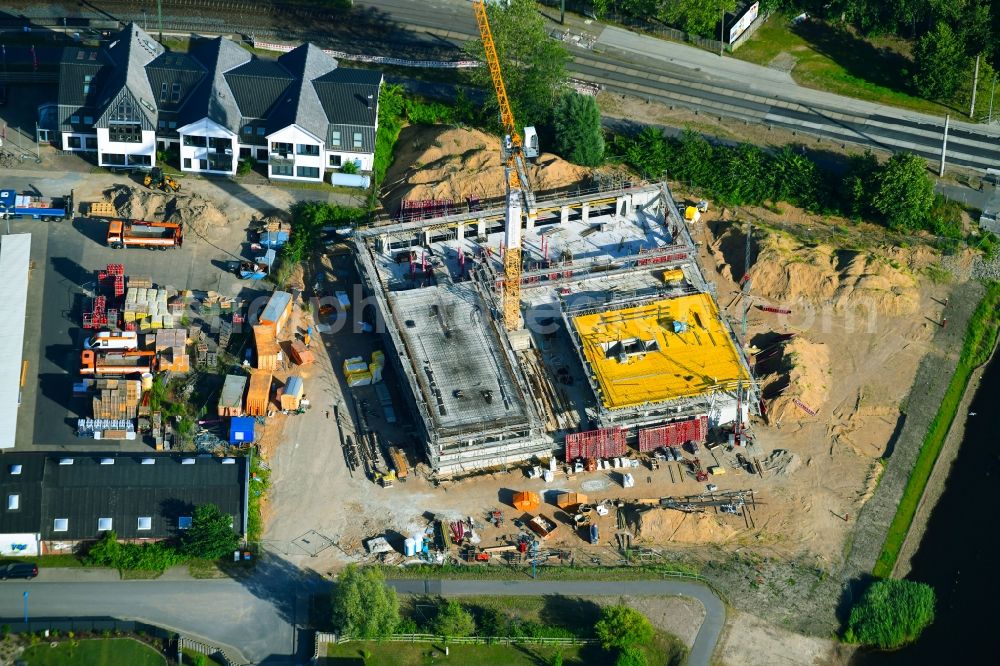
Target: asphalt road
x: 257, y: 618
x: 646, y: 67
x: 704, y: 643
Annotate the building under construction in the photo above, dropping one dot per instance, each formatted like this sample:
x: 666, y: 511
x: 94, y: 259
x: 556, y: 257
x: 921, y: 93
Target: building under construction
x: 611, y: 293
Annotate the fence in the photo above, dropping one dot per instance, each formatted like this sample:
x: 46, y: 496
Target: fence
x: 468, y: 640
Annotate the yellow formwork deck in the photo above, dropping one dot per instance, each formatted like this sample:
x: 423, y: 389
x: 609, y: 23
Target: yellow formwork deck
x: 640, y: 355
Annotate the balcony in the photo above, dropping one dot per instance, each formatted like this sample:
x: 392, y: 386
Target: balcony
x: 220, y: 162
x: 280, y: 159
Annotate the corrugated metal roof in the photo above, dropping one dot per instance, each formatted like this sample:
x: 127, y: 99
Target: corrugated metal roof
x: 27, y: 485
x: 126, y: 490
x: 15, y: 255
x: 232, y: 391
x: 276, y: 306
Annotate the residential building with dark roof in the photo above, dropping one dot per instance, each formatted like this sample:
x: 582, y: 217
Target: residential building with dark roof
x: 302, y: 113
x: 52, y: 502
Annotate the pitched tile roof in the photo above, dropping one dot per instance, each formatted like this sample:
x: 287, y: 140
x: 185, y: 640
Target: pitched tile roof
x: 213, y: 98
x: 75, y: 65
x: 174, y: 69
x: 258, y: 85
x: 344, y: 94
x: 300, y: 105
x: 130, y: 51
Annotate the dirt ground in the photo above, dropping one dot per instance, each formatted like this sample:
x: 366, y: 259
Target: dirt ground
x: 749, y: 641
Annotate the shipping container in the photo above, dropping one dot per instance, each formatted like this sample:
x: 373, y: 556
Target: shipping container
x: 266, y: 347
x: 231, y: 399
x: 277, y: 311
x: 259, y: 394
x: 291, y: 394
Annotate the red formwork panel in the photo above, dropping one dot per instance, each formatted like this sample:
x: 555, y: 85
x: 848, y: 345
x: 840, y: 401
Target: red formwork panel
x: 674, y: 434
x: 601, y: 443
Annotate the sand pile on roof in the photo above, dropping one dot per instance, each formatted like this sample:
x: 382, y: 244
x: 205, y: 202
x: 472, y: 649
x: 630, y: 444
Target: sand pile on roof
x: 805, y: 376
x: 668, y: 525
x: 194, y: 211
x: 440, y: 162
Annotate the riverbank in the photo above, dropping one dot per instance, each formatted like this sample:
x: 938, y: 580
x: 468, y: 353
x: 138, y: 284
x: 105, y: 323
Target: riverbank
x: 979, y: 339
x: 942, y: 471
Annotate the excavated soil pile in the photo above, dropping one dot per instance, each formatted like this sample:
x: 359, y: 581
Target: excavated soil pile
x: 195, y: 212
x: 788, y: 272
x: 804, y: 377
x: 438, y: 162
x: 668, y: 525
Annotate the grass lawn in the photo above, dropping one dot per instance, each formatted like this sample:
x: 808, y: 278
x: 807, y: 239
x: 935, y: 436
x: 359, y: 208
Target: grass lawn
x: 44, y: 561
x: 836, y: 59
x: 94, y: 652
x: 416, y: 654
x: 191, y: 658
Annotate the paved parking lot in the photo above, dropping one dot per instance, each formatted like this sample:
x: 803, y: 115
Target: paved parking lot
x: 65, y: 258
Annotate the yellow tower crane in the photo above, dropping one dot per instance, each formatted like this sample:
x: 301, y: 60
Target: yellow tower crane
x: 520, y: 199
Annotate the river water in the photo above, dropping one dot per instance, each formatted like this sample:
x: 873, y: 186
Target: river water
x: 960, y: 550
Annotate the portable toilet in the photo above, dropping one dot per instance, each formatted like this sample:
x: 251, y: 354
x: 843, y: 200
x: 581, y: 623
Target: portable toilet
x: 530, y: 142
x: 241, y: 430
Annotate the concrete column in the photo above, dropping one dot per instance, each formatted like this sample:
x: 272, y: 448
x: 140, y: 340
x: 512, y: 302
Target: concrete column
x: 530, y: 223
x: 564, y: 215
x: 480, y: 227
x: 623, y: 205
x: 425, y: 236
x: 585, y: 212
x: 460, y: 232
x: 384, y: 239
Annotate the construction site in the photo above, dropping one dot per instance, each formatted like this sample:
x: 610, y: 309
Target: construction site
x: 610, y: 292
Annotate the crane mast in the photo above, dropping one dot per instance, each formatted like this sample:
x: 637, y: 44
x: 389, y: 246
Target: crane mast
x: 520, y: 199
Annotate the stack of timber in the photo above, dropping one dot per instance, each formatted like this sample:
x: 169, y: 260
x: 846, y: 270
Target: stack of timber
x: 116, y: 398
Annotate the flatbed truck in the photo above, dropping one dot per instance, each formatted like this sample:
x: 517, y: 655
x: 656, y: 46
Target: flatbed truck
x: 152, y: 235
x: 13, y: 204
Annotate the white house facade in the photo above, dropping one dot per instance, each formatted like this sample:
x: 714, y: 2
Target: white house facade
x: 302, y: 115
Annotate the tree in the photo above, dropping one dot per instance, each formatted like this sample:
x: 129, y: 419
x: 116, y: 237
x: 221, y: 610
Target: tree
x: 577, y: 124
x: 795, y: 178
x: 631, y: 656
x: 622, y: 627
x: 741, y: 175
x: 363, y: 605
x: 211, y: 534
x: 891, y: 613
x: 699, y: 17
x: 940, y: 62
x: 532, y: 64
x: 905, y: 192
x: 860, y: 185
x: 454, y: 621
x: 692, y: 159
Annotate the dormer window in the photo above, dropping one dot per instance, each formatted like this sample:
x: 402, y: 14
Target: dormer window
x: 163, y: 92
x: 175, y: 92
x: 86, y: 83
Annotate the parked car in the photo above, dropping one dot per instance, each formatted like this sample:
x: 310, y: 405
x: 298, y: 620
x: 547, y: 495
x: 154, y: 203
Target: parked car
x: 18, y: 570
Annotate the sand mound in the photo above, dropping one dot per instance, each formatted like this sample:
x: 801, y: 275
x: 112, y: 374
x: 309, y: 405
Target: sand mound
x: 438, y: 162
x: 789, y: 272
x: 804, y: 377
x: 663, y: 525
x: 195, y: 212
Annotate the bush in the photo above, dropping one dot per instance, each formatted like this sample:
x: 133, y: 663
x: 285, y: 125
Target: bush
x: 363, y: 606
x: 622, y: 627
x: 211, y: 534
x: 631, y: 656
x: 349, y: 167
x: 245, y: 166
x: 891, y: 613
x: 308, y: 220
x: 108, y: 552
x: 453, y: 620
